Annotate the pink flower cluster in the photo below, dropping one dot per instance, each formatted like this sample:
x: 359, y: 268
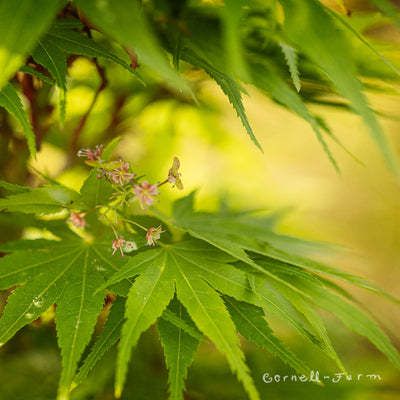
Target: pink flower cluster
x: 127, y: 188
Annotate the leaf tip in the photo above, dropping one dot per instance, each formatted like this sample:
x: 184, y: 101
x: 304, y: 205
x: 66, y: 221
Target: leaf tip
x: 117, y: 392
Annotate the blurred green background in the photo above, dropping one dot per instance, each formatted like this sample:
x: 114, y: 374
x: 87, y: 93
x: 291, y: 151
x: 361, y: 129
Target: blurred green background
x: 356, y: 214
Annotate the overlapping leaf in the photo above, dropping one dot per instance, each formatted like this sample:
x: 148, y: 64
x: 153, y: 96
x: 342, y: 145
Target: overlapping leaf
x: 352, y: 316
x: 21, y: 23
x: 46, y: 200
x: 197, y: 270
x: 10, y: 100
x: 332, y: 53
x: 179, y: 348
x: 53, y: 59
x: 76, y: 43
x: 239, y: 233
x: 292, y: 61
x: 66, y: 273
x: 124, y: 21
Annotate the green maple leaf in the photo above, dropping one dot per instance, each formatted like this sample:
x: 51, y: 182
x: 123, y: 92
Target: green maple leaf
x: 240, y: 233
x: 198, y: 273
x: 66, y: 273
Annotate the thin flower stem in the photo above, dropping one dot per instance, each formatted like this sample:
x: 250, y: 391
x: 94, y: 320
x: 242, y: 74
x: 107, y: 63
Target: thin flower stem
x: 112, y: 227
x: 88, y: 211
x: 162, y: 183
x: 135, y: 223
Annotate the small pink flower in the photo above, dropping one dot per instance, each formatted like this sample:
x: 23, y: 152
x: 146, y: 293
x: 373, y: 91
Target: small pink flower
x: 152, y: 235
x: 122, y: 245
x: 145, y: 193
x: 91, y: 154
x: 118, y: 244
x: 77, y: 219
x: 174, y: 175
x: 121, y: 174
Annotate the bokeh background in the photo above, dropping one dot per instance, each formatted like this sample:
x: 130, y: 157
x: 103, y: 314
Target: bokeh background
x: 355, y: 215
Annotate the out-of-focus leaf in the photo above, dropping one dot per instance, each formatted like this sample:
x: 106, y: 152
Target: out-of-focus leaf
x: 107, y: 338
x: 21, y: 23
x: 327, y: 46
x: 361, y: 38
x: 53, y: 59
x: 238, y: 233
x: 280, y: 91
x: 315, y: 320
x: 387, y: 8
x: 231, y: 13
x: 31, y: 71
x: 228, y: 85
x: 76, y: 43
x: 45, y: 200
x: 125, y: 21
x: 10, y: 100
x: 13, y: 188
x: 292, y: 61
x: 354, y: 318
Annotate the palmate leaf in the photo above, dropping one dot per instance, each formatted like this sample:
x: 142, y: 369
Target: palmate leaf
x: 222, y: 231
x: 53, y: 59
x: 10, y: 100
x: 172, y: 318
x: 326, y: 45
x: 65, y: 273
x: 236, y: 233
x: 165, y: 269
x: 21, y: 23
x: 214, y: 269
x: 179, y: 349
